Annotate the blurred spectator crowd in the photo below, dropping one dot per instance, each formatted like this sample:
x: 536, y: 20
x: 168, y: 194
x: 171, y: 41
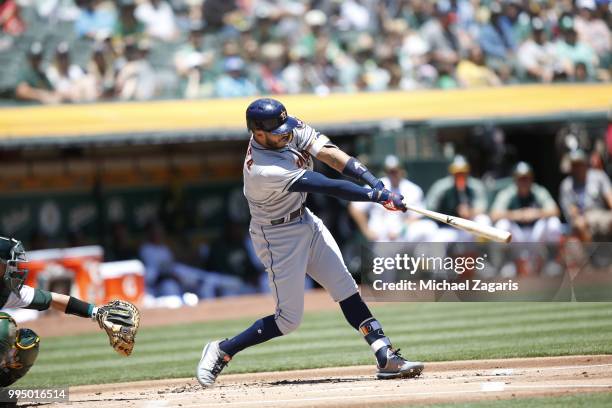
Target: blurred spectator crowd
x: 54, y: 51
x: 518, y: 205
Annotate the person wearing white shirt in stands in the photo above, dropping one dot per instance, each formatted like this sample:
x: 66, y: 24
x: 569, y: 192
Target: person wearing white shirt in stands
x: 158, y: 18
x: 379, y: 226
x: 536, y: 56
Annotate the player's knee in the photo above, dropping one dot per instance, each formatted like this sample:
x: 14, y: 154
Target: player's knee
x: 20, y: 358
x: 287, y: 324
x: 8, y: 331
x: 482, y: 219
x: 553, y: 223
x: 553, y: 228
x: 504, y: 224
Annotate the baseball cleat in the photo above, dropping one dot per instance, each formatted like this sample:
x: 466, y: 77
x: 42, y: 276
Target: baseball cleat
x: 398, y: 367
x: 211, y: 364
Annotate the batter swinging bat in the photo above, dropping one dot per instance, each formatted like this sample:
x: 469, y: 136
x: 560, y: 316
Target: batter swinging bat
x: 494, y: 234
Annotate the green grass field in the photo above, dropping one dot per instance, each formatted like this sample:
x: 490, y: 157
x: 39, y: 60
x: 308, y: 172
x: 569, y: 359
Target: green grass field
x: 425, y: 331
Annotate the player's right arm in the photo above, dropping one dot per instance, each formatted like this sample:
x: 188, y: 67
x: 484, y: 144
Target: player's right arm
x: 319, y: 146
x: 333, y: 157
x: 348, y: 166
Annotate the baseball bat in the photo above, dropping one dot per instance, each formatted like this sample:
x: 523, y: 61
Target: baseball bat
x: 494, y: 234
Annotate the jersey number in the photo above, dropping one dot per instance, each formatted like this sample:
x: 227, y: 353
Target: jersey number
x: 301, y: 158
x: 248, y: 160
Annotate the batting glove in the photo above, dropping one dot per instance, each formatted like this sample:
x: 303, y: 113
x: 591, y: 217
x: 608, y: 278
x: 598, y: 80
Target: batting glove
x: 390, y: 200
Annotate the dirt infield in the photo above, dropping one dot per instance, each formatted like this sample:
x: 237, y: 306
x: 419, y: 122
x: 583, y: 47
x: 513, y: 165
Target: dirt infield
x: 457, y: 381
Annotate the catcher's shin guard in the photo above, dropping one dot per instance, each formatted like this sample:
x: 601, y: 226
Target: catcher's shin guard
x: 8, y: 333
x: 20, y: 358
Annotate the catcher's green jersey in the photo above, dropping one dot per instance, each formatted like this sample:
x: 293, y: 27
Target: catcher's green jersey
x: 29, y: 298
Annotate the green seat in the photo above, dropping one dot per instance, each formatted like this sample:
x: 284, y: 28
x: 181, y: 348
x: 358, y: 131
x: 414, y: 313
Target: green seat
x: 426, y: 172
x: 10, y: 63
x: 81, y: 51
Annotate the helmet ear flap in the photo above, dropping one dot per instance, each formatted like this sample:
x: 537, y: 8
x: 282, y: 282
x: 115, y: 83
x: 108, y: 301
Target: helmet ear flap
x: 252, y: 124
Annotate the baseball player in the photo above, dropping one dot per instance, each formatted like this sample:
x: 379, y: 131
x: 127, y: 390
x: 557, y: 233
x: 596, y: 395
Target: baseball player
x: 291, y: 241
x: 19, y: 347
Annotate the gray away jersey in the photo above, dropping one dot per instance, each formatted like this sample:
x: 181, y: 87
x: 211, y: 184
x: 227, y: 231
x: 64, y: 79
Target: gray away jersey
x: 269, y: 173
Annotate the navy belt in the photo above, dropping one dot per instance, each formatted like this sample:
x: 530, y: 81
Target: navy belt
x: 292, y: 216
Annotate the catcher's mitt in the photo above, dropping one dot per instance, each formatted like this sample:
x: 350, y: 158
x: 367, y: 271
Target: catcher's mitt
x: 120, y: 320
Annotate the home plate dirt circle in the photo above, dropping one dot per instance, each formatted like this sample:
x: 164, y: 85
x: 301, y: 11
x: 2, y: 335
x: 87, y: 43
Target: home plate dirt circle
x: 456, y: 381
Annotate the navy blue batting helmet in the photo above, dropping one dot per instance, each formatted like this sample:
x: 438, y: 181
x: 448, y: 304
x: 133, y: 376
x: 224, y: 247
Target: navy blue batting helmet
x: 269, y: 115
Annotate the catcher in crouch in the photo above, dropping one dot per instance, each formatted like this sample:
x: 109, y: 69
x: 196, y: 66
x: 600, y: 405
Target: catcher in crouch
x: 19, y: 347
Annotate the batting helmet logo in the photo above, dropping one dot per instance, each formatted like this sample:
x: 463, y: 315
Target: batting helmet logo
x: 269, y: 115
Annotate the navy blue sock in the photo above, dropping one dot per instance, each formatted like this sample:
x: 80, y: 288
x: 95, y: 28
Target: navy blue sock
x: 359, y: 316
x: 355, y: 310
x: 262, y: 330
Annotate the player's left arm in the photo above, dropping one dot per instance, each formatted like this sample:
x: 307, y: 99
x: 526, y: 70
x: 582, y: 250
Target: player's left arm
x: 72, y: 305
x: 333, y: 157
x: 349, y: 166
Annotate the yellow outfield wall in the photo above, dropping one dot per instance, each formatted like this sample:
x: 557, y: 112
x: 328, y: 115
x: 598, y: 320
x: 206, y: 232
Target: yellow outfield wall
x: 228, y: 114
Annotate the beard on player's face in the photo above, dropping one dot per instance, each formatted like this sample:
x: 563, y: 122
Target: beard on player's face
x: 272, y: 141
